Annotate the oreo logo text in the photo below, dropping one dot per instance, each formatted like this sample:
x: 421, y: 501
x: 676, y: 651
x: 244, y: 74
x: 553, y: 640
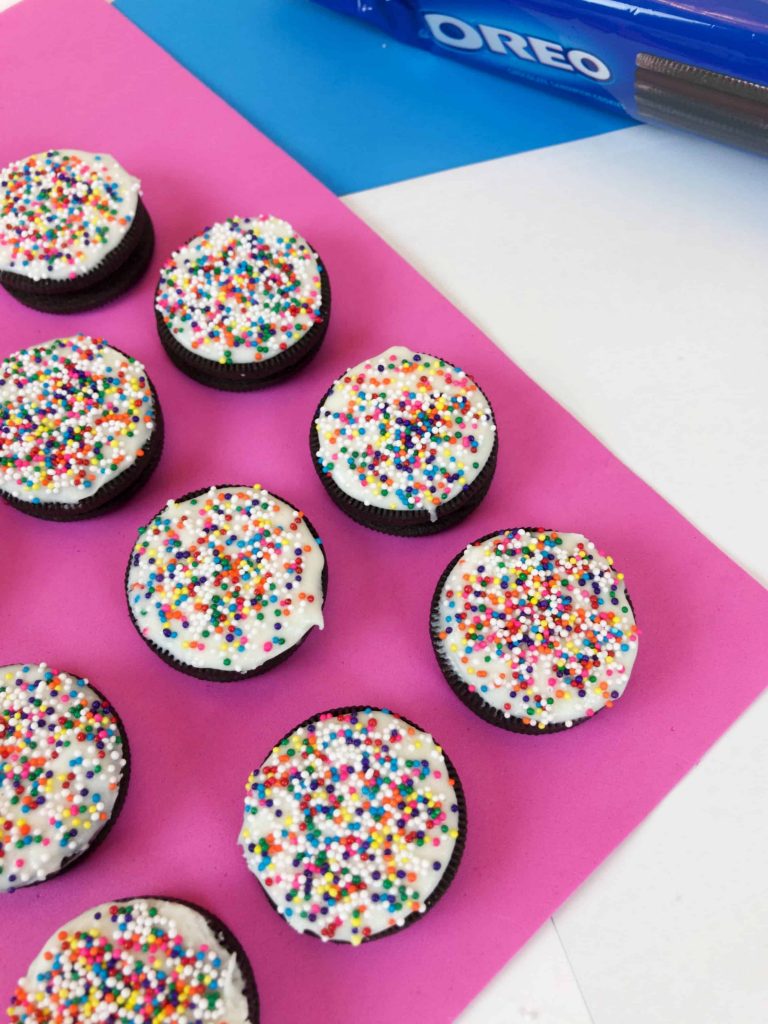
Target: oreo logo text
x: 460, y: 35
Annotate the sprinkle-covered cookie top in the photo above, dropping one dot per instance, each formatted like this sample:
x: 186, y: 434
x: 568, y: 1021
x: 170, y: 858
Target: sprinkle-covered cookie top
x: 139, y: 961
x: 226, y: 579
x: 351, y: 824
x: 74, y: 414
x: 538, y: 624
x: 404, y: 431
x: 243, y: 291
x: 62, y: 212
x: 61, y: 769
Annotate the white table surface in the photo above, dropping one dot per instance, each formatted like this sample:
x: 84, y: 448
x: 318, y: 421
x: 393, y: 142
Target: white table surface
x: 627, y: 275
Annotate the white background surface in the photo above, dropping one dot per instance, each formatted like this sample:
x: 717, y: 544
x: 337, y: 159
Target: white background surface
x: 627, y: 275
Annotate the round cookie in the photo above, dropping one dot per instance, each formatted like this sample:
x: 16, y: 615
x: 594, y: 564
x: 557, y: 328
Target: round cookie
x: 139, y: 960
x: 534, y: 630
x: 74, y: 232
x: 226, y: 582
x: 80, y: 428
x: 354, y: 825
x: 405, y: 443
x: 64, y: 767
x: 244, y: 304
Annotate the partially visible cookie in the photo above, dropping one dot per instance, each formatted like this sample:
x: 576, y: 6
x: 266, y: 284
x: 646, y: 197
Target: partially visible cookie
x: 243, y: 305
x: 405, y: 443
x: 354, y: 825
x: 64, y: 767
x: 534, y: 629
x: 80, y: 428
x: 74, y: 232
x: 142, y: 961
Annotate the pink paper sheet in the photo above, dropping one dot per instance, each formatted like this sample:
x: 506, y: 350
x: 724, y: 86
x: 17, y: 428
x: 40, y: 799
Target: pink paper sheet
x: 542, y: 812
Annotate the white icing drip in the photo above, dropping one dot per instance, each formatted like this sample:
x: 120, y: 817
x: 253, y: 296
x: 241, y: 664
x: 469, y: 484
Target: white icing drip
x: 178, y: 920
x: 260, y: 637
x: 222, y: 318
x: 495, y: 687
x: 278, y: 826
x: 42, y: 826
x: 437, y: 448
x: 53, y: 406
x: 71, y: 255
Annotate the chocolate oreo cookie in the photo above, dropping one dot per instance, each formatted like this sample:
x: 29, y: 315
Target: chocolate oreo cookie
x: 534, y: 630
x: 724, y: 107
x: 405, y: 443
x: 227, y: 582
x: 80, y: 428
x: 74, y: 232
x: 141, y: 960
x: 243, y: 305
x: 64, y: 768
x: 355, y: 824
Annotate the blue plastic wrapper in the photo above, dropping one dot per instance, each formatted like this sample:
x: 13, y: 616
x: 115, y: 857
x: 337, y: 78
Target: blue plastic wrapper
x: 702, y: 67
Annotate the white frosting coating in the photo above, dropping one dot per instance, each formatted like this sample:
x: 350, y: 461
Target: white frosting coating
x: 538, y: 625
x: 404, y: 431
x: 243, y: 291
x: 188, y: 963
x: 350, y: 824
x: 74, y: 415
x: 61, y: 770
x: 226, y: 580
x: 62, y: 212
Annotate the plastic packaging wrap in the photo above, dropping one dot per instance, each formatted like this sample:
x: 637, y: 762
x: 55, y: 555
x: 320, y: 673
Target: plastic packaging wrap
x: 703, y: 67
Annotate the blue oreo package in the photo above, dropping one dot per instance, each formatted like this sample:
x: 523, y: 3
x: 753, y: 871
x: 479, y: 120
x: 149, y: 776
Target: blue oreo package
x: 697, y: 66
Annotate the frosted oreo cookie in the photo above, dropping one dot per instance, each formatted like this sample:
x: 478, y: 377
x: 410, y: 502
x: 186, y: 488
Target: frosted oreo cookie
x: 226, y: 582
x: 534, y: 629
x: 74, y: 232
x: 405, y: 443
x: 354, y: 825
x: 64, y: 767
x: 139, y: 960
x: 244, y: 304
x: 80, y: 428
